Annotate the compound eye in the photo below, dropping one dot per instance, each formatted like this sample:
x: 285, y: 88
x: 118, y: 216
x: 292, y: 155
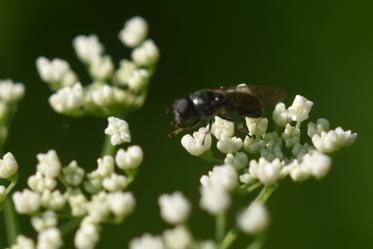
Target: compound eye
x: 183, y: 109
x: 181, y: 106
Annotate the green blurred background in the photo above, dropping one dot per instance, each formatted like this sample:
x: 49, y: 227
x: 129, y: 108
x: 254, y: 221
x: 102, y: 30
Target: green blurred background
x: 320, y: 49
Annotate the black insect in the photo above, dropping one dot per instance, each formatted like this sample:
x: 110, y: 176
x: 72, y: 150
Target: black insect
x: 232, y: 103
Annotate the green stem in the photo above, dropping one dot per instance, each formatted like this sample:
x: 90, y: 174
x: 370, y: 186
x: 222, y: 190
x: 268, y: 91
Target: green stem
x: 10, y: 218
x: 265, y: 193
x: 220, y: 223
x: 257, y: 243
x: 107, y: 148
x: 230, y: 238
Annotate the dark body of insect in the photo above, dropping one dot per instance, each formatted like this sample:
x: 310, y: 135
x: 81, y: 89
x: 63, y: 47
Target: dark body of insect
x: 233, y: 103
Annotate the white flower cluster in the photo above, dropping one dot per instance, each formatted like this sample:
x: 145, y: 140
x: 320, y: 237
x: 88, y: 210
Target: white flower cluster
x: 93, y: 198
x: 10, y: 94
x: 274, y: 156
x: 112, y: 91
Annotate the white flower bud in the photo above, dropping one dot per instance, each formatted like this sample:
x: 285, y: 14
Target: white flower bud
x: 246, y: 178
x: 10, y: 91
x: 26, y: 202
x: 215, y: 200
x: 105, y: 166
x: 266, y: 172
x: 78, y: 204
x: 8, y: 166
x: 88, y: 48
x: 300, y: 108
x: 50, y: 239
x: 138, y: 80
x: 147, y: 241
x: 39, y: 183
x: 317, y: 164
x: 175, y: 208
x: 115, y: 182
x: 134, y: 32
x: 68, y: 99
x: 224, y: 177
x: 238, y: 160
x: 297, y: 171
x: 48, y: 164
x: 125, y: 72
x: 253, y: 146
x: 197, y: 144
x: 146, y: 55
x: 103, y: 96
x: 291, y: 135
x: 177, y: 238
x: 56, y: 72
x: 130, y: 158
x: 23, y: 242
x: 118, y: 131
x: 280, y: 115
x: 229, y: 145
x: 44, y: 221
x: 254, y: 220
x: 121, y: 204
x: 257, y: 126
x: 53, y: 200
x: 333, y: 140
x: 87, y: 236
x: 222, y: 128
x: 101, y: 68
x: 322, y: 124
x: 73, y: 174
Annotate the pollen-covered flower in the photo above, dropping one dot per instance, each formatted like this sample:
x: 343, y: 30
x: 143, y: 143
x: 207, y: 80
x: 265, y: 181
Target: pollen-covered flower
x: 175, y: 208
x: 300, y: 108
x: 10, y: 91
x: 254, y: 220
x: 8, y: 166
x: 197, y: 144
x: 134, y: 32
x: 118, y: 131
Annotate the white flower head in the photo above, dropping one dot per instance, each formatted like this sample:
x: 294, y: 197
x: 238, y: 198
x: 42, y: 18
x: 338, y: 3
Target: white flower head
x: 177, y: 238
x: 130, y: 158
x: 10, y: 91
x: 26, y: 202
x: 101, y: 68
x: 87, y: 236
x: 68, y: 99
x: 229, y: 145
x: 215, y: 200
x: 333, y: 140
x: 254, y: 220
x: 281, y: 115
x: 238, y: 160
x: 50, y: 239
x: 147, y: 241
x: 134, y: 32
x: 8, y: 166
x: 224, y: 176
x: 222, y: 128
x: 121, y: 204
x: 56, y: 72
x: 22, y: 242
x: 118, y: 131
x: 175, y: 208
x: 147, y: 54
x: 46, y: 220
x: 48, y: 164
x: 88, y: 48
x: 300, y: 108
x: 197, y: 144
x: 257, y: 126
